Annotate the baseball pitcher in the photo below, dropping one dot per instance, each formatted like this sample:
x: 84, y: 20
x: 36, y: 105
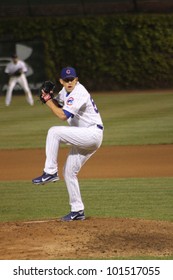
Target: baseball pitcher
x: 75, y: 105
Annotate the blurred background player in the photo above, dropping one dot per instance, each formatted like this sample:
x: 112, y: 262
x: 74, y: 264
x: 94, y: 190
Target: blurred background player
x: 16, y: 70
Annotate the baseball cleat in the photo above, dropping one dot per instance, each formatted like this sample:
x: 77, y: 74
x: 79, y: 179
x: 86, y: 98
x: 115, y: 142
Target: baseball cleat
x: 45, y: 178
x: 72, y: 216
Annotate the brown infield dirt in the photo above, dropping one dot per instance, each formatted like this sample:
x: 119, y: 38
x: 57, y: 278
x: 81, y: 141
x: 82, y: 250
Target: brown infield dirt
x: 94, y: 238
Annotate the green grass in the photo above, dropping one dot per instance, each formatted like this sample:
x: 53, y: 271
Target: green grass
x: 129, y: 119
x: 24, y: 126
x: 129, y: 198
x: 137, y: 119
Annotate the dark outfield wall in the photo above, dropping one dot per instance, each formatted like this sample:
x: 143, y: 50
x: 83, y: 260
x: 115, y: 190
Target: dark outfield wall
x: 109, y: 52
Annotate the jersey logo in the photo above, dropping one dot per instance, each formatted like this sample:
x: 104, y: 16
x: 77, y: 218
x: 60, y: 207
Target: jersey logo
x: 70, y: 101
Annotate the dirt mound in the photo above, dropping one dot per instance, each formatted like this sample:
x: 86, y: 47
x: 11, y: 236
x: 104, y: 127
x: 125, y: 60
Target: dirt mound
x: 90, y: 239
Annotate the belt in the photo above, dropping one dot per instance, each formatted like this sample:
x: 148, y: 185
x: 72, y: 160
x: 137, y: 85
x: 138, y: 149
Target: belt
x: 100, y: 126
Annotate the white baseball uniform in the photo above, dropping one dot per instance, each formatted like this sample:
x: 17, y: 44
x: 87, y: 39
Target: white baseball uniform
x: 10, y: 69
x: 84, y: 134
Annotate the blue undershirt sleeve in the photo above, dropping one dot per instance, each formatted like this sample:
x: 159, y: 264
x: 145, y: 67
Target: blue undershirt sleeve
x: 68, y: 114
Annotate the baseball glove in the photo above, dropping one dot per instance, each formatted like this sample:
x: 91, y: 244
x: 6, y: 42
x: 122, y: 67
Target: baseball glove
x: 17, y: 73
x: 47, y: 91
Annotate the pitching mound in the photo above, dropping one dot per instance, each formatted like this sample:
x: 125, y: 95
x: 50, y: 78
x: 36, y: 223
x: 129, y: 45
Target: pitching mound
x: 90, y: 239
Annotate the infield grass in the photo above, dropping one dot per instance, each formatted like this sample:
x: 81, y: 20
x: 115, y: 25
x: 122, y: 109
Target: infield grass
x: 141, y: 198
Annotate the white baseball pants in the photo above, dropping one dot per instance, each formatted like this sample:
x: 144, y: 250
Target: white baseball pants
x: 22, y: 81
x: 85, y: 142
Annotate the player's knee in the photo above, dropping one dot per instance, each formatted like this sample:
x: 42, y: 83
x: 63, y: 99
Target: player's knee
x: 50, y: 131
x: 53, y: 131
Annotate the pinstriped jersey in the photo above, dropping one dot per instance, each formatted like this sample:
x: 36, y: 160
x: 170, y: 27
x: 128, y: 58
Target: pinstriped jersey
x: 82, y: 107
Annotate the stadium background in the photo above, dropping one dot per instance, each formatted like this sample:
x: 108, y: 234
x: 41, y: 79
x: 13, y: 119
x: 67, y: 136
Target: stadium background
x: 81, y: 7
x: 127, y: 42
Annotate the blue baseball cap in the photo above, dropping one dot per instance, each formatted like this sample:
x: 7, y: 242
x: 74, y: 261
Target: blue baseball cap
x: 68, y: 72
